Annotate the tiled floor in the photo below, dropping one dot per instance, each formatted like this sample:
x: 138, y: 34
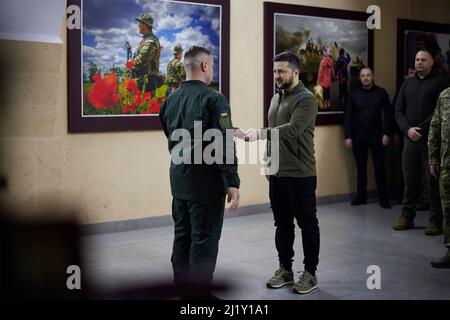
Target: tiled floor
x: 352, y: 239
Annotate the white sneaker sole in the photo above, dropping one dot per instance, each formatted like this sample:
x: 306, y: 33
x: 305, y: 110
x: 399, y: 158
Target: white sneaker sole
x: 279, y: 286
x: 304, y: 292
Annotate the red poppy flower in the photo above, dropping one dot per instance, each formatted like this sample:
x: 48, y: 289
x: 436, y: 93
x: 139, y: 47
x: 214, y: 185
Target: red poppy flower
x: 154, y: 107
x: 129, y: 108
x: 103, y: 92
x: 147, y: 96
x: 96, y: 77
x: 129, y: 64
x: 130, y: 85
x: 133, y: 87
x: 137, y: 100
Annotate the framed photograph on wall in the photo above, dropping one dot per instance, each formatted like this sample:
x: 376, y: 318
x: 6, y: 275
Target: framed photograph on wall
x: 332, y: 46
x: 127, y: 56
x: 413, y: 35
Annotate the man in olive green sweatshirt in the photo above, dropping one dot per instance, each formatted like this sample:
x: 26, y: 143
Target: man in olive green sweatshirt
x: 292, y: 114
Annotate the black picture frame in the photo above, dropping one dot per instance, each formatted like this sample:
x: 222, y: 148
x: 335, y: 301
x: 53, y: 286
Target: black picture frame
x: 79, y: 123
x: 270, y: 11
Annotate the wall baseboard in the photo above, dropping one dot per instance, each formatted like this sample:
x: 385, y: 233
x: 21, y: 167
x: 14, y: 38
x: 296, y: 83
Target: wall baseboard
x: 164, y: 221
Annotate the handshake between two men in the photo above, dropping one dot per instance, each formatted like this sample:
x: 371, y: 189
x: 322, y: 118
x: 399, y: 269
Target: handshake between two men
x: 248, y: 135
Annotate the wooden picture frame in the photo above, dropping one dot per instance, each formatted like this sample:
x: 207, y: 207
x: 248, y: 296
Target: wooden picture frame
x: 308, y: 31
x: 109, y: 30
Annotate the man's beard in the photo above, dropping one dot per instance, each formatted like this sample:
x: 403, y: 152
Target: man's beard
x: 367, y: 84
x: 423, y: 72
x: 287, y: 84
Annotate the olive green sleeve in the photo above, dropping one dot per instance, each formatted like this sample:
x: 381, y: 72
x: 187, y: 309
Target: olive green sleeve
x: 302, y: 115
x: 181, y: 71
x: 434, y: 137
x: 221, y: 120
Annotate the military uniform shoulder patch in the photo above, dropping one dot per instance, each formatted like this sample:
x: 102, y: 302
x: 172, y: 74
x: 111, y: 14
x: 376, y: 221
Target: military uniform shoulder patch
x: 225, y: 120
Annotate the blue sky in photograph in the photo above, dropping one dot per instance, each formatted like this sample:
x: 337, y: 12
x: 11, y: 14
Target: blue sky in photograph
x: 349, y: 34
x: 109, y: 24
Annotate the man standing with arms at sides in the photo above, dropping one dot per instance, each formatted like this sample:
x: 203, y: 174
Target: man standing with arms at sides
x: 146, y: 58
x: 414, y: 109
x: 364, y: 130
x: 341, y: 71
x: 198, y: 189
x: 293, y: 112
x: 439, y: 152
x: 175, y: 69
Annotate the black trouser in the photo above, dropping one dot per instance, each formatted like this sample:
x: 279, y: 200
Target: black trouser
x: 414, y: 165
x: 361, y: 146
x: 295, y: 197
x: 198, y: 228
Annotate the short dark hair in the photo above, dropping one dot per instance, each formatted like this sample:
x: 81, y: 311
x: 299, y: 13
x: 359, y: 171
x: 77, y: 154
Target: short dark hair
x: 190, y: 57
x: 365, y: 67
x: 292, y: 58
x: 194, y: 51
x: 425, y: 50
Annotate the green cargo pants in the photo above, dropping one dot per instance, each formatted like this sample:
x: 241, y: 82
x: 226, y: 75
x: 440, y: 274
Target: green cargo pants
x: 414, y: 163
x: 444, y: 180
x: 198, y: 228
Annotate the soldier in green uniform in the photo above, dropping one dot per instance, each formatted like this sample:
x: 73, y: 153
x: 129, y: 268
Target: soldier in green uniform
x: 175, y: 69
x: 439, y: 155
x: 198, y: 186
x: 146, y: 58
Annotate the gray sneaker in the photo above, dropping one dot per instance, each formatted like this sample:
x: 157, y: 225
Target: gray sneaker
x: 306, y: 283
x: 281, y: 278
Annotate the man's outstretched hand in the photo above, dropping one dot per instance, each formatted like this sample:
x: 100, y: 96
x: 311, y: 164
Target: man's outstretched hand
x: 239, y: 133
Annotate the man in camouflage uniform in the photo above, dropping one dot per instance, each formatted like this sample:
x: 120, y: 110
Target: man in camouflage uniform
x: 439, y: 153
x: 175, y: 69
x: 146, y: 58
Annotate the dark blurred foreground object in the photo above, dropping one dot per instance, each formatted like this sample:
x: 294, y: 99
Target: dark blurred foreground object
x: 167, y: 291
x: 35, y: 255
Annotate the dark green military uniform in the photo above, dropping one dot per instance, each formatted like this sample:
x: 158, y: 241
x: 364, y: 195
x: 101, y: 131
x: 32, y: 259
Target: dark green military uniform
x: 146, y: 58
x: 198, y: 189
x: 439, y: 151
x: 175, y: 69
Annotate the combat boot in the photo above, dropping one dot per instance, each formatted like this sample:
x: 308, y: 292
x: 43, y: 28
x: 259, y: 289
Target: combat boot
x: 443, y: 262
x: 434, y: 229
x: 447, y: 236
x: 404, y: 223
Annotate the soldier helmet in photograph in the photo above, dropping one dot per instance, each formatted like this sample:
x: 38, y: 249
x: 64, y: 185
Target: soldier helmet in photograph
x: 146, y: 18
x: 177, y: 49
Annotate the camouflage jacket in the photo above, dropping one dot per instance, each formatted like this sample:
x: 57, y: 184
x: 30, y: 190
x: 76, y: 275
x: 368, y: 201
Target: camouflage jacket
x: 439, y: 138
x: 146, y: 57
x: 175, y: 71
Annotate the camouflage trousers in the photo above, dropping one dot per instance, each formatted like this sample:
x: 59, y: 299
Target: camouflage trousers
x: 444, y: 184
